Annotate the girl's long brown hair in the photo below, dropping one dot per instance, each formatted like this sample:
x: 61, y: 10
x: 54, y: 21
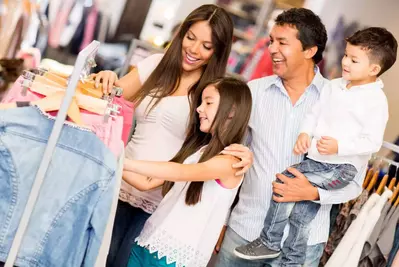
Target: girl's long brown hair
x: 165, y: 78
x: 229, y: 127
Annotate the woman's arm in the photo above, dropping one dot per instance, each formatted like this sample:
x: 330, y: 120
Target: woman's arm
x: 8, y: 105
x: 130, y: 83
x: 218, y: 167
x: 140, y: 182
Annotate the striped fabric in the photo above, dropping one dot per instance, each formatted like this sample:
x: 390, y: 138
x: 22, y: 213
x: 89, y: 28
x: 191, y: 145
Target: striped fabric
x: 273, y: 130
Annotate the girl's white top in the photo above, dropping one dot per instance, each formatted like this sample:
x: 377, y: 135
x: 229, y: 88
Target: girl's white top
x: 186, y: 234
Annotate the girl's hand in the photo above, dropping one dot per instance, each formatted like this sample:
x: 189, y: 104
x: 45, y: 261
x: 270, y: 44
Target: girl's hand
x: 242, y: 152
x: 107, y: 78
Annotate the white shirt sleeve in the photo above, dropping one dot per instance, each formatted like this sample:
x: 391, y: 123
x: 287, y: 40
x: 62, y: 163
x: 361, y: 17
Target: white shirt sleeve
x: 372, y: 135
x: 147, y: 66
x: 310, y: 121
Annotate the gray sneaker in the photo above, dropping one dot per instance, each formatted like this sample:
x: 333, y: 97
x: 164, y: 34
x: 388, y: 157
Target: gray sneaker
x: 255, y: 250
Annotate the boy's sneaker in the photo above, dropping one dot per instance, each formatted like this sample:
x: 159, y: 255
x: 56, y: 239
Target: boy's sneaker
x: 255, y: 250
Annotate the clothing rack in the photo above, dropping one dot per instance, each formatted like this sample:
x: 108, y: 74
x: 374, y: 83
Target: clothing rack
x: 85, y: 57
x: 135, y: 43
x: 391, y: 146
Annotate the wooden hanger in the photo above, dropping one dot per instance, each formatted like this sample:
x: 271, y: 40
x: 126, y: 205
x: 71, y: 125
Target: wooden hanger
x: 382, y: 184
x: 392, y: 184
x: 55, y: 78
x: 53, y: 103
x: 86, y: 87
x: 373, y: 181
x: 85, y: 102
x: 396, y: 202
x: 395, y: 194
x: 369, y: 174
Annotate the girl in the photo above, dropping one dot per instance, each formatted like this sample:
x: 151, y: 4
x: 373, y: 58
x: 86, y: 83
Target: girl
x: 161, y: 87
x: 185, y: 228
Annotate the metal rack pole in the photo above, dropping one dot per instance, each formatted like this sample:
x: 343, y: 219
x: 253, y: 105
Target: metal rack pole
x: 391, y: 146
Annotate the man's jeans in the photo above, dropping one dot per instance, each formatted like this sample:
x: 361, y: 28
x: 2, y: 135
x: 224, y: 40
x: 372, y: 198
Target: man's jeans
x: 300, y: 214
x: 226, y: 257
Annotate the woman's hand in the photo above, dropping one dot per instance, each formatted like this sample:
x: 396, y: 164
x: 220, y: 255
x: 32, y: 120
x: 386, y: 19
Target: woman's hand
x: 107, y: 78
x: 242, y: 152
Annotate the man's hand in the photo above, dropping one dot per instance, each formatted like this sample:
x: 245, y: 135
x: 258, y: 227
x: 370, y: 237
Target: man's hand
x: 220, y: 240
x: 302, y: 144
x: 294, y: 189
x: 327, y: 146
x: 242, y: 152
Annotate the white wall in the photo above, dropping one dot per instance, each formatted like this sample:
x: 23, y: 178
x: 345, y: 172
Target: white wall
x: 370, y: 13
x: 168, y: 13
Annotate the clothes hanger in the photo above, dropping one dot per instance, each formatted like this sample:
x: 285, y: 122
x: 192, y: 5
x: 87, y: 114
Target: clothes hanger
x: 392, y: 184
x: 86, y: 86
x: 53, y: 103
x: 373, y: 181
x: 396, y: 202
x: 382, y: 184
x: 88, y: 103
x: 369, y: 175
x: 396, y: 190
x: 385, y: 165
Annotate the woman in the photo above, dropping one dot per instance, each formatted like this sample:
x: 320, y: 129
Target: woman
x: 161, y: 87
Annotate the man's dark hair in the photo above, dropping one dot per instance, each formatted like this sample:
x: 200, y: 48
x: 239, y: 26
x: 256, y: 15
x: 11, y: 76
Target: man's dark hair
x: 380, y: 44
x: 311, y: 31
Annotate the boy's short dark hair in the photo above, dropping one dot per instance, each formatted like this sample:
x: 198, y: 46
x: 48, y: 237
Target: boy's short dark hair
x: 311, y: 31
x: 380, y: 44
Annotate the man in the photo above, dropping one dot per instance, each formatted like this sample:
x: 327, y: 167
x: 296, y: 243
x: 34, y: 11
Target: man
x: 298, y: 40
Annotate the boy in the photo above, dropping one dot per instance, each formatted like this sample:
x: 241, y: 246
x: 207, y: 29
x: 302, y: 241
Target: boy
x: 339, y: 134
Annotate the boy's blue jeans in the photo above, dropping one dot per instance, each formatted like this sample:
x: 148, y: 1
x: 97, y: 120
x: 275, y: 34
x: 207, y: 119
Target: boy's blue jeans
x: 300, y: 214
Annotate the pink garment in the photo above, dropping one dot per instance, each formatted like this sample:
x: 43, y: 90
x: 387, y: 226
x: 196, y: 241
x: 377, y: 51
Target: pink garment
x: 110, y: 132
x: 127, y: 111
x: 90, y: 27
x: 62, y: 19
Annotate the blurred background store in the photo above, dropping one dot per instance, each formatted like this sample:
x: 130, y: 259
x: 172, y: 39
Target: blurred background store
x: 50, y: 33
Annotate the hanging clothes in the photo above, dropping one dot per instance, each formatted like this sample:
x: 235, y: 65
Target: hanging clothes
x: 57, y: 26
x: 348, y: 213
x: 9, y: 36
x: 349, y: 250
x: 370, y: 250
x: 90, y: 26
x: 110, y: 132
x: 74, y: 20
x: 394, y: 252
x: 67, y: 224
x: 259, y: 64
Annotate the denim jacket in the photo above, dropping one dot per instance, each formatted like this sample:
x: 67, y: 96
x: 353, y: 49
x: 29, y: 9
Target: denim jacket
x: 68, y: 221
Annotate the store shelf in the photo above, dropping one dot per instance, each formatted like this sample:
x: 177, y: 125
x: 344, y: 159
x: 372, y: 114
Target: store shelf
x: 287, y: 4
x: 238, y: 13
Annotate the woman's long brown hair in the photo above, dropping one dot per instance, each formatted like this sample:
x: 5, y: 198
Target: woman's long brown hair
x: 229, y: 127
x: 165, y: 78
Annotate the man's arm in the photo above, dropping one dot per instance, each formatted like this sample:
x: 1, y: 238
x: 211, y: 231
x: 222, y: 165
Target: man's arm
x: 300, y: 189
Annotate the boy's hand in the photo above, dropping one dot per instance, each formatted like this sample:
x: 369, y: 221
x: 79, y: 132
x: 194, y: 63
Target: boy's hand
x: 327, y: 146
x: 302, y: 144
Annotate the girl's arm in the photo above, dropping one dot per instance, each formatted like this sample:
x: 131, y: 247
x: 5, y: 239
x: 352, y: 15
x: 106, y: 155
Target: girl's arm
x: 140, y: 182
x: 218, y: 167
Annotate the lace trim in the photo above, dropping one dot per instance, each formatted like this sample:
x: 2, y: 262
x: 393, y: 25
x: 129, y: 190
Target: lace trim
x: 138, y: 202
x: 175, y: 251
